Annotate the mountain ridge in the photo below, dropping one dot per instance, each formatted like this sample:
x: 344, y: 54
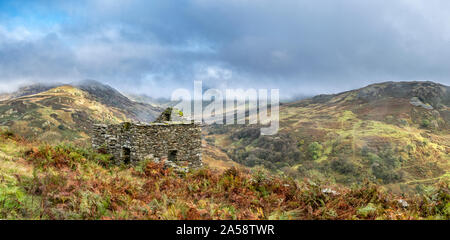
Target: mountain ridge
x: 394, y: 132
x: 67, y: 111
x: 102, y: 92
x: 370, y: 91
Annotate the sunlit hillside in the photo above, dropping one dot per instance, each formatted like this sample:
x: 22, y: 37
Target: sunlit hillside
x: 39, y: 181
x: 61, y: 113
x: 395, y: 134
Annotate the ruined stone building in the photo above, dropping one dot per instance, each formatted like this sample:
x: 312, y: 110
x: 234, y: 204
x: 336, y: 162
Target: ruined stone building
x: 175, y: 143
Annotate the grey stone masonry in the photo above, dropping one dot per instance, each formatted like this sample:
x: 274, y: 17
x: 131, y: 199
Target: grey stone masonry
x: 178, y: 144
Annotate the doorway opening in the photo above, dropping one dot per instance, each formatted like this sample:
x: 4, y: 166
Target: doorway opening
x: 172, y: 155
x: 126, y: 155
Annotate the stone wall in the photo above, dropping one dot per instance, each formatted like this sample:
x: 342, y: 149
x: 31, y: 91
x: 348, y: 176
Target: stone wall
x: 176, y: 143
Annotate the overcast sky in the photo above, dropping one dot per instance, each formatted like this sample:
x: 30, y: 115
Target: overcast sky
x: 153, y: 47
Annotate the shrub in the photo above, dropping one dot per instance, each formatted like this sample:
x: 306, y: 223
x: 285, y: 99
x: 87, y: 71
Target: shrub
x: 425, y: 123
x: 247, y: 133
x: 7, y: 133
x: 315, y: 150
x: 344, y: 166
x: 64, y: 155
x: 386, y: 174
x: 126, y: 126
x: 367, y: 211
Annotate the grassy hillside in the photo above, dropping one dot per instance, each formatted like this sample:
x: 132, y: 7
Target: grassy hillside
x: 112, y: 98
x: 61, y: 113
x: 58, y: 112
x: 39, y: 181
x: 395, y: 134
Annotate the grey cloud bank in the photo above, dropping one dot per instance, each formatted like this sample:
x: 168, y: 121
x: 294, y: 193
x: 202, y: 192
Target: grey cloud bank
x: 153, y: 47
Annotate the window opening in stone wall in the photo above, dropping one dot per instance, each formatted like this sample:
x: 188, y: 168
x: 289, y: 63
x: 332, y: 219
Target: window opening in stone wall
x: 172, y: 155
x: 126, y: 155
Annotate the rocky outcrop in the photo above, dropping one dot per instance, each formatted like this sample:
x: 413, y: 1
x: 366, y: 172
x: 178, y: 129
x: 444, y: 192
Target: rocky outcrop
x: 430, y: 93
x: 416, y: 102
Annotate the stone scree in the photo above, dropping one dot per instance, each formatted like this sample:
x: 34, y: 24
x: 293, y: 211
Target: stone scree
x: 178, y: 144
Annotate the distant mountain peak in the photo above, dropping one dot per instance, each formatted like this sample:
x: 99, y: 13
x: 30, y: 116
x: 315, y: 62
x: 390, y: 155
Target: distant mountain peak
x: 100, y: 92
x: 94, y: 84
x: 432, y: 93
